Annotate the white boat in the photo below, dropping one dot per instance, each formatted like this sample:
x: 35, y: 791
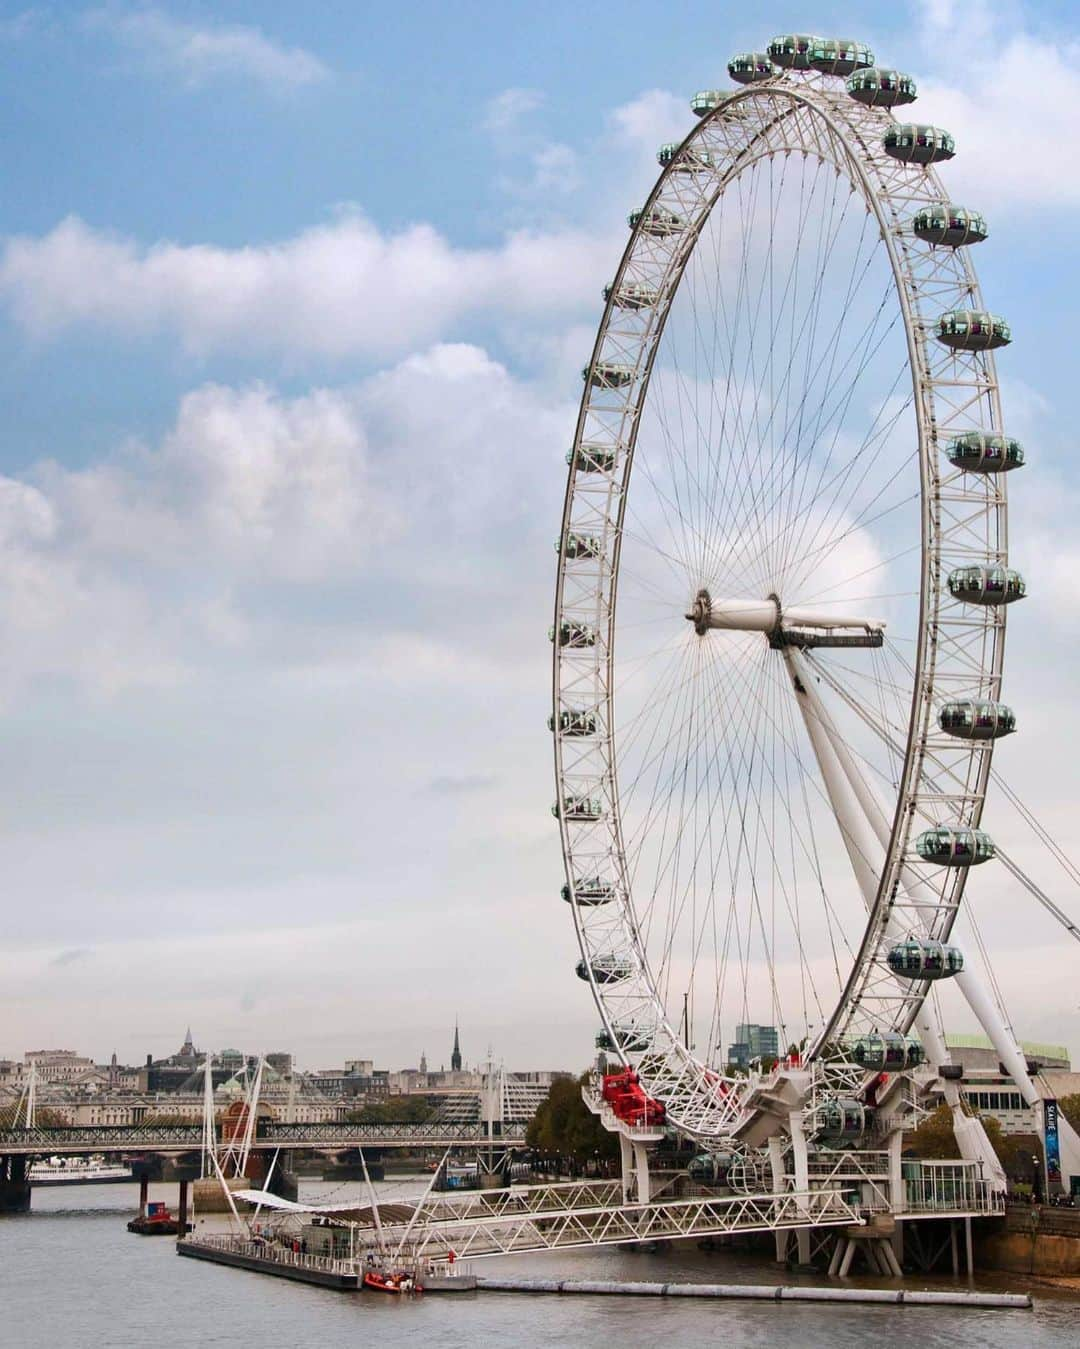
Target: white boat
x: 77, y: 1171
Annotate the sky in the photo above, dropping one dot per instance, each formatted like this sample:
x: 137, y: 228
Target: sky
x: 293, y: 306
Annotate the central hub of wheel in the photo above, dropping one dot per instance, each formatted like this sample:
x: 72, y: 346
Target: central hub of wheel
x: 783, y: 627
x: 734, y: 615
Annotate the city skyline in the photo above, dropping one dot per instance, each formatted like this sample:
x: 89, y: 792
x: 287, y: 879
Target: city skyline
x: 282, y: 467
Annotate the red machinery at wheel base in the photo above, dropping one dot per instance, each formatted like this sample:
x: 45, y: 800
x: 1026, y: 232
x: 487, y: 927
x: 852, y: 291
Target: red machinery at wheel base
x: 626, y: 1096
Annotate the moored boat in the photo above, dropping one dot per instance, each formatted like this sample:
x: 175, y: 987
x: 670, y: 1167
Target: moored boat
x: 379, y: 1282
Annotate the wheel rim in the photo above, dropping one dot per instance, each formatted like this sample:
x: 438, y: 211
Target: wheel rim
x: 954, y: 650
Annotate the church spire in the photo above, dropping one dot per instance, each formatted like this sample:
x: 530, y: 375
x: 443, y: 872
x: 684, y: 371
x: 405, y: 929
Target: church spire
x: 455, y: 1057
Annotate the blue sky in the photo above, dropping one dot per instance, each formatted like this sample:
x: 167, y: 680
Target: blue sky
x: 292, y: 305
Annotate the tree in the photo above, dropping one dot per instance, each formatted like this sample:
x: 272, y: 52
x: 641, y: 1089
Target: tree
x: 1070, y: 1108
x: 565, y: 1125
x: 14, y: 1116
x: 935, y: 1138
x: 393, y: 1110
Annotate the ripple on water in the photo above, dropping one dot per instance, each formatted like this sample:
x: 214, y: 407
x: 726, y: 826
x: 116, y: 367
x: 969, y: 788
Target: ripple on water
x: 74, y: 1277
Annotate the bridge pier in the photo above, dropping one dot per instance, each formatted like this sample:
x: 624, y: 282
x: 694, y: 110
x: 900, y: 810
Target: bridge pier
x: 182, y: 1211
x: 14, y: 1184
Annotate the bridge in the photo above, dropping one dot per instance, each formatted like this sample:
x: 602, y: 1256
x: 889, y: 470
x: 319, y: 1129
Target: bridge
x: 596, y: 1213
x: 74, y: 1140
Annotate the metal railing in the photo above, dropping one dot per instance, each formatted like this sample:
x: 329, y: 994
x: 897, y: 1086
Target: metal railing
x: 274, y: 1251
x: 613, y: 1224
x: 69, y: 1139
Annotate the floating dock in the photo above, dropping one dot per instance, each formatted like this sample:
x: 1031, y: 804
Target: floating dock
x: 281, y: 1264
x: 761, y: 1292
x: 302, y: 1267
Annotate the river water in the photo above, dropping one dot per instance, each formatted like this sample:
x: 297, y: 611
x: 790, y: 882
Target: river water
x: 72, y: 1277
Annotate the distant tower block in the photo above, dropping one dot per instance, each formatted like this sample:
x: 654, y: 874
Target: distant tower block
x: 455, y: 1057
x: 423, y: 1061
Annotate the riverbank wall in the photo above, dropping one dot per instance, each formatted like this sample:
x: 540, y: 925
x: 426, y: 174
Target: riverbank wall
x: 1031, y: 1239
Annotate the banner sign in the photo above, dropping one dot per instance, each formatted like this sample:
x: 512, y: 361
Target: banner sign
x: 1050, y: 1139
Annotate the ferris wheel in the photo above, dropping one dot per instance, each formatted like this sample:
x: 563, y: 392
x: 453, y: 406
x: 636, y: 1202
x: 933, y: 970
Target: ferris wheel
x: 782, y: 586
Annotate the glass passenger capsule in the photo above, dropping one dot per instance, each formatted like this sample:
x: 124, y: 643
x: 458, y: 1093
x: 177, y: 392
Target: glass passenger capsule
x: 708, y: 100
x: 605, y: 969
x: 592, y: 458
x: 914, y: 143
x: 692, y: 159
x: 954, y: 847
x: 630, y: 1039
x: 890, y: 1051
x: 656, y: 220
x: 977, y: 719
x: 580, y: 546
x: 792, y: 50
x: 839, y: 56
x: 917, y: 958
x: 750, y: 68
x: 631, y: 295
x: 710, y: 1168
x: 574, y: 721
x: 842, y: 1118
x: 881, y: 88
x: 953, y: 226
x: 985, y: 452
x: 608, y: 375
x: 986, y: 585
x: 972, y: 330
x: 574, y: 634
x: 589, y: 891
x: 578, y: 808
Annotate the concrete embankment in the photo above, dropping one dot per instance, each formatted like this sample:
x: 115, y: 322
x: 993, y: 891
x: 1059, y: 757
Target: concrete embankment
x: 1040, y: 1241
x: 761, y: 1292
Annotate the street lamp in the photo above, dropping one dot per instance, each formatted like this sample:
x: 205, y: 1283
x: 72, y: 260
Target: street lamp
x: 1036, y: 1189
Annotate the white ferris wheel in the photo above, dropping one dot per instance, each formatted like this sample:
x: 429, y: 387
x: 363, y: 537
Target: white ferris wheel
x: 782, y: 589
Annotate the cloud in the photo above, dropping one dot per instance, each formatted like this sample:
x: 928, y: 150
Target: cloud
x: 139, y: 568
x: 198, y: 55
x: 338, y: 289
x: 505, y: 112
x: 1016, y: 105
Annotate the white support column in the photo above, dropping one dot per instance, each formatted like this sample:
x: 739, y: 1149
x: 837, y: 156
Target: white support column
x: 641, y: 1169
x: 970, y: 986
x: 862, y: 834
x: 626, y: 1159
x: 779, y: 1184
x: 897, y: 1188
x: 800, y: 1157
x: 862, y: 847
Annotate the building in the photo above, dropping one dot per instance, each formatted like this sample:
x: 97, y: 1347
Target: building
x: 991, y: 1091
x: 753, y: 1042
x: 57, y: 1065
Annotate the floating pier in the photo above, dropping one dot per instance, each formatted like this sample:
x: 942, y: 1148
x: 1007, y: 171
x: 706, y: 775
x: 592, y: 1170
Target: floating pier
x: 281, y: 1264
x: 760, y: 1292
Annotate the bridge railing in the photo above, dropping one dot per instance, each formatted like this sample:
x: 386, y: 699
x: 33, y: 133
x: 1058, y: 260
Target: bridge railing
x: 189, y: 1137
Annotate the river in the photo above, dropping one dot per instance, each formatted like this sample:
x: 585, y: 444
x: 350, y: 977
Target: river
x: 72, y: 1277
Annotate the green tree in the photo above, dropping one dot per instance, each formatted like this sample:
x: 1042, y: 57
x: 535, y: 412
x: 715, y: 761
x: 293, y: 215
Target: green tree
x: 1070, y: 1108
x: 394, y: 1110
x: 565, y: 1125
x: 935, y: 1138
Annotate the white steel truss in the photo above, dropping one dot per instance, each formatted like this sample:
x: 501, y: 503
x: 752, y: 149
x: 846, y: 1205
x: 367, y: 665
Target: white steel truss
x: 959, y: 647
